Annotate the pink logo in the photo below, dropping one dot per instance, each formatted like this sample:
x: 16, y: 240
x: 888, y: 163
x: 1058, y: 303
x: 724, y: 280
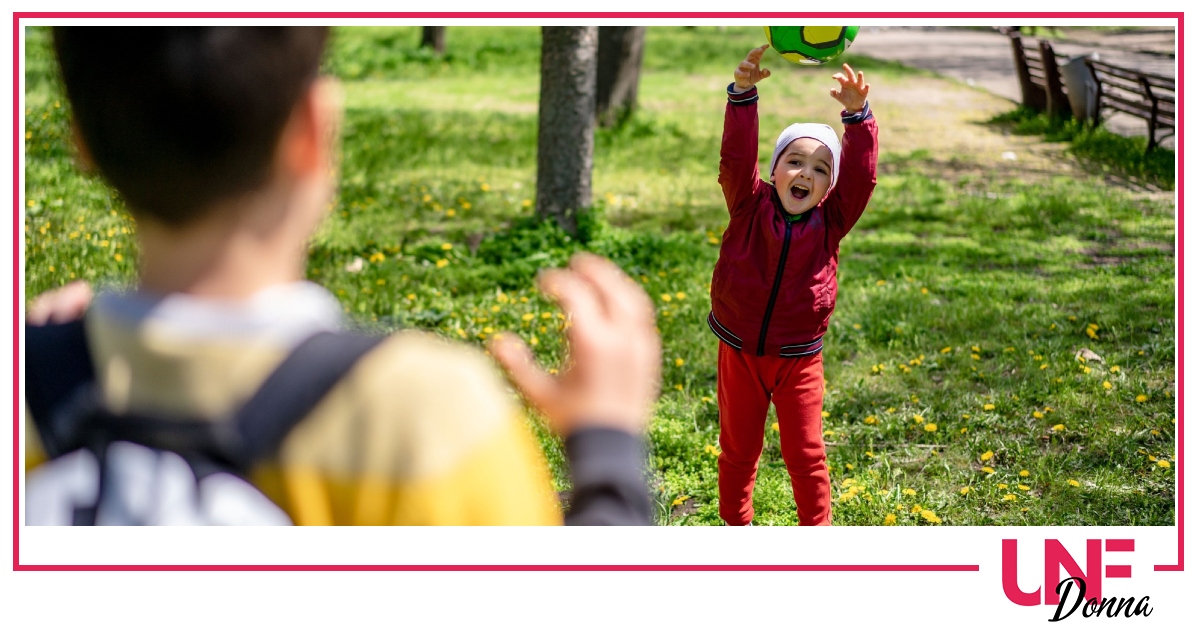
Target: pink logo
x: 1085, y: 581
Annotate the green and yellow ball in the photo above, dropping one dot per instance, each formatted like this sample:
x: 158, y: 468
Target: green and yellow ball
x: 810, y: 45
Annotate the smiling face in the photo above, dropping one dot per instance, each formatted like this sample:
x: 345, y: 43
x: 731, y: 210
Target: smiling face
x: 803, y: 174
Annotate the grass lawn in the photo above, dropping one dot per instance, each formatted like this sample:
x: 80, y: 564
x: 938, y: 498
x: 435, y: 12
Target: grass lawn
x: 956, y: 390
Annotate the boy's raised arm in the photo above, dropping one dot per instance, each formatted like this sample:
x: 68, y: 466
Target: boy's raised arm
x: 739, y: 141
x: 860, y: 152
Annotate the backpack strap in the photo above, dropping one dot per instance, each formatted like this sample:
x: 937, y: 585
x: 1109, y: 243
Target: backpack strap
x: 58, y: 366
x: 294, y: 389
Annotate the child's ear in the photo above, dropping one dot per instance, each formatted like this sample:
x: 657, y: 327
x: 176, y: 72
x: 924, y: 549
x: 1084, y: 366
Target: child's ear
x: 309, y: 138
x: 83, y: 155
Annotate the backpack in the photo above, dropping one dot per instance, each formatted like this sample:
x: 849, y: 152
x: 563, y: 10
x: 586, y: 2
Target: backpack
x: 134, y: 469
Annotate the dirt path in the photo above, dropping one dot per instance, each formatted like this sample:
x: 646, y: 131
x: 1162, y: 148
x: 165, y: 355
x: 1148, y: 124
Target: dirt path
x: 983, y: 58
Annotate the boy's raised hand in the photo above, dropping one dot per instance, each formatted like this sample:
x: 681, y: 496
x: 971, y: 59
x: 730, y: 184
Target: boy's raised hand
x: 611, y: 376
x: 748, y: 72
x: 853, y: 92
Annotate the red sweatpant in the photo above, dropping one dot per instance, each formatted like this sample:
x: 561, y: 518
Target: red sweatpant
x: 746, y: 385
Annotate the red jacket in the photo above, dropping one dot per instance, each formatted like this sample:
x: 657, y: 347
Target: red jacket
x: 775, y: 282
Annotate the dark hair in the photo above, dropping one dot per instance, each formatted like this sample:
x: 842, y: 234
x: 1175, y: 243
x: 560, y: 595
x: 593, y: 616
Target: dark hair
x: 178, y: 118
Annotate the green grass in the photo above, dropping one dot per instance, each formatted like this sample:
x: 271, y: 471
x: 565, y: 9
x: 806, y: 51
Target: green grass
x: 962, y: 302
x: 1107, y: 151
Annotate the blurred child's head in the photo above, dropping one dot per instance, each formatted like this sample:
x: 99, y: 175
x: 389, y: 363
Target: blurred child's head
x: 805, y: 165
x: 181, y: 119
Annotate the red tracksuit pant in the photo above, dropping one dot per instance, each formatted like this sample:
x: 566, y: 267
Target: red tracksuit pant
x: 746, y: 385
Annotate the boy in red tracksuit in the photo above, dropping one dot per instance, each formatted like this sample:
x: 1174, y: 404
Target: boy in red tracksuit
x: 775, y: 284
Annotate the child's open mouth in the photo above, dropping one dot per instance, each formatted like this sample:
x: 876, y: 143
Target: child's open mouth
x: 799, y: 193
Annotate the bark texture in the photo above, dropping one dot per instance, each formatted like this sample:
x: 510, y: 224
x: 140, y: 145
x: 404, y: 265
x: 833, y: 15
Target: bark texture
x: 618, y: 70
x: 566, y: 123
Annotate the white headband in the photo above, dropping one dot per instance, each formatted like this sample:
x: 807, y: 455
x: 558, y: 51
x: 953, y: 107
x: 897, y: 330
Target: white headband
x: 821, y: 133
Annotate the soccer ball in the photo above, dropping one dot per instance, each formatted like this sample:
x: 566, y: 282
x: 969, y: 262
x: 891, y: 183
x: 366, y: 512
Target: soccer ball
x: 810, y: 45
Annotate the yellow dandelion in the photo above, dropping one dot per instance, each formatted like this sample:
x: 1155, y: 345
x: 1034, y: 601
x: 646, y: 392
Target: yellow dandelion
x: 527, y: 317
x: 666, y: 297
x: 870, y: 420
x: 1059, y: 427
x: 915, y: 509
x: 1024, y: 473
x: 706, y: 399
x: 986, y: 455
x: 918, y: 418
x: 679, y: 500
x: 988, y: 469
x: 1010, y: 349
x: 931, y: 428
x: 924, y: 291
x: 828, y: 434
x: 1022, y: 487
x: 880, y: 283
x: 484, y: 187
x: 678, y: 362
x: 963, y: 430
x: 1086, y: 369
x: 451, y: 212
x: 989, y: 407
x: 118, y: 257
x: 1092, y: 333
x: 890, y: 519
x: 447, y: 246
x: 533, y: 340
x: 1053, y: 326
x: 680, y: 296
x: 1071, y: 318
x: 1141, y: 398
x: 526, y: 203
x: 849, y: 466
x: 1039, y: 415
x: 496, y: 308
x: 945, y: 350
x: 1162, y: 463
x: 931, y: 517
x: 488, y: 330
x: 1114, y: 369
x: 775, y: 427
x: 442, y: 263
x: 857, y: 326
x: 1002, y: 486
x: 1107, y: 385
x: 974, y: 356
x: 1072, y: 483
x: 679, y: 386
x: 965, y: 490
x: 910, y: 492
x: 869, y: 454
x: 1010, y: 497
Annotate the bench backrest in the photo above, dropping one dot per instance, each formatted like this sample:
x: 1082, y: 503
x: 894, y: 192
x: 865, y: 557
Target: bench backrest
x: 1142, y: 94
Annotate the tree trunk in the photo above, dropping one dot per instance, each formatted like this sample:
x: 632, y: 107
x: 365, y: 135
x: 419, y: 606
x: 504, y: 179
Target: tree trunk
x: 566, y: 121
x: 618, y: 69
x: 434, y: 37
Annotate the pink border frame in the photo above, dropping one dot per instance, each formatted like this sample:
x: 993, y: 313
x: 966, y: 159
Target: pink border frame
x: 17, y: 214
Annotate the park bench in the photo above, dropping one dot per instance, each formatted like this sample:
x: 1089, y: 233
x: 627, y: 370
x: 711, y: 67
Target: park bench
x: 1038, y: 74
x: 1150, y: 97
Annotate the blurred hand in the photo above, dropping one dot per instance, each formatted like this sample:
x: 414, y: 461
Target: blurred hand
x: 853, y: 92
x: 60, y: 305
x: 748, y: 73
x: 612, y: 371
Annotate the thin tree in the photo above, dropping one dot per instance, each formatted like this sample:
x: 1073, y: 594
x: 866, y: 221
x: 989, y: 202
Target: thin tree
x: 566, y: 123
x: 434, y: 37
x: 618, y: 70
